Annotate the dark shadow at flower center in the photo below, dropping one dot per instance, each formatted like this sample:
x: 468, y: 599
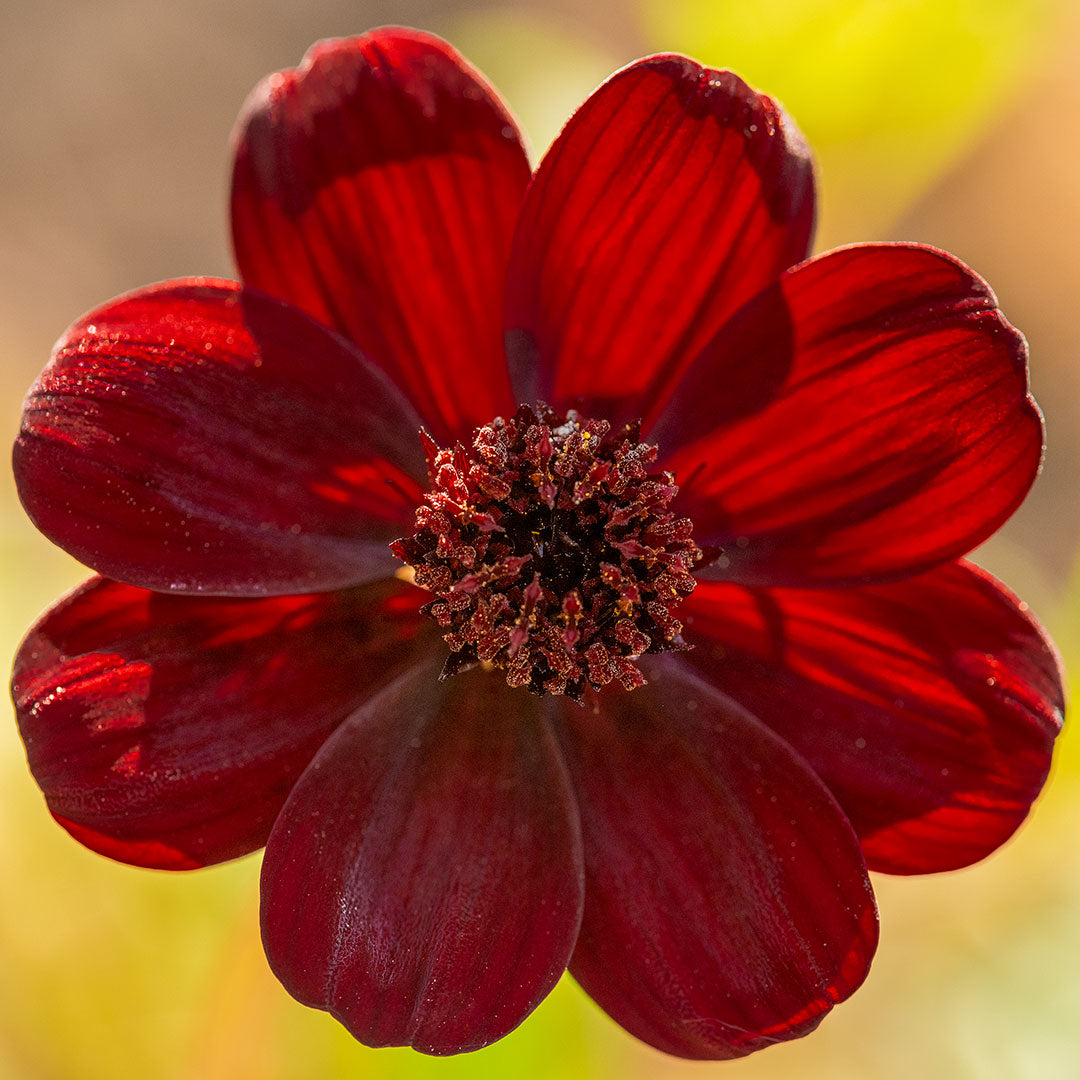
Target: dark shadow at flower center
x: 552, y: 552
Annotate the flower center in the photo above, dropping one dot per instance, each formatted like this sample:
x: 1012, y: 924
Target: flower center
x: 551, y: 551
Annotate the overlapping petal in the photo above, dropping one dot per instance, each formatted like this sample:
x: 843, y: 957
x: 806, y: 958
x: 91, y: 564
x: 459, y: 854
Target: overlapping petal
x: 899, y: 432
x: 376, y: 186
x: 928, y: 706
x: 197, y: 437
x: 673, y: 195
x: 167, y: 731
x: 727, y: 905
x: 424, y: 880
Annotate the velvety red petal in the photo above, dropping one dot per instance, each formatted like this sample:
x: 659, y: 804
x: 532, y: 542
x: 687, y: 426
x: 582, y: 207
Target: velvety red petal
x: 899, y: 433
x: 423, y: 882
x: 195, y: 437
x: 167, y: 731
x: 928, y: 706
x: 727, y: 905
x: 673, y: 195
x: 377, y: 186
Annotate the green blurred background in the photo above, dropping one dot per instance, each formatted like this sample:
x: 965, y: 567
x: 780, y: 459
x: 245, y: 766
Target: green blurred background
x: 951, y: 122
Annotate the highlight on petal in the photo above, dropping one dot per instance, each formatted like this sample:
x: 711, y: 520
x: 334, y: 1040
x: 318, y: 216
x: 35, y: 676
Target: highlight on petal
x: 423, y: 882
x: 197, y: 437
x: 377, y: 186
x: 167, y: 731
x: 898, y: 435
x: 928, y: 706
x: 727, y: 905
x: 673, y: 195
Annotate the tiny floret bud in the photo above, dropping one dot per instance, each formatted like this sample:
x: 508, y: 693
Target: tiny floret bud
x: 551, y: 552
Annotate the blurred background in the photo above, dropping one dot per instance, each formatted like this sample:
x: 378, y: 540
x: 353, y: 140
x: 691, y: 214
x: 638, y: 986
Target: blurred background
x: 951, y: 122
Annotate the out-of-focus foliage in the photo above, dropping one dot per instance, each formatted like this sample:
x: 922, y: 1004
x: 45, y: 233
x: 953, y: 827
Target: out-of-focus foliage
x: 562, y: 68
x: 888, y: 92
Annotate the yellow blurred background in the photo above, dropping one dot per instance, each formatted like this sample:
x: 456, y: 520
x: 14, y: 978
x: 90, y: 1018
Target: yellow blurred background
x: 951, y: 122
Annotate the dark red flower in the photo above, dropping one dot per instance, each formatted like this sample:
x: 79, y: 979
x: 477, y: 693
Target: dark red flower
x: 814, y: 443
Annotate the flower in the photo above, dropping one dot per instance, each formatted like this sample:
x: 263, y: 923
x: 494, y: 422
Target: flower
x: 685, y: 512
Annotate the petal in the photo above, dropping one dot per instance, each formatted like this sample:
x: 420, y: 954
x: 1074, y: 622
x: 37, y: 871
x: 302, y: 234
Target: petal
x: 727, y: 905
x: 673, y: 195
x: 195, y: 437
x: 928, y: 706
x: 167, y: 731
x: 423, y: 882
x: 899, y: 434
x: 376, y: 186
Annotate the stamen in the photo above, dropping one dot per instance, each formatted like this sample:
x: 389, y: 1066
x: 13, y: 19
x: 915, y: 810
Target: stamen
x: 551, y: 552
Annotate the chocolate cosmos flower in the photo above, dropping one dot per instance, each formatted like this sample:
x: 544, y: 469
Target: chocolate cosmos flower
x: 689, y: 646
